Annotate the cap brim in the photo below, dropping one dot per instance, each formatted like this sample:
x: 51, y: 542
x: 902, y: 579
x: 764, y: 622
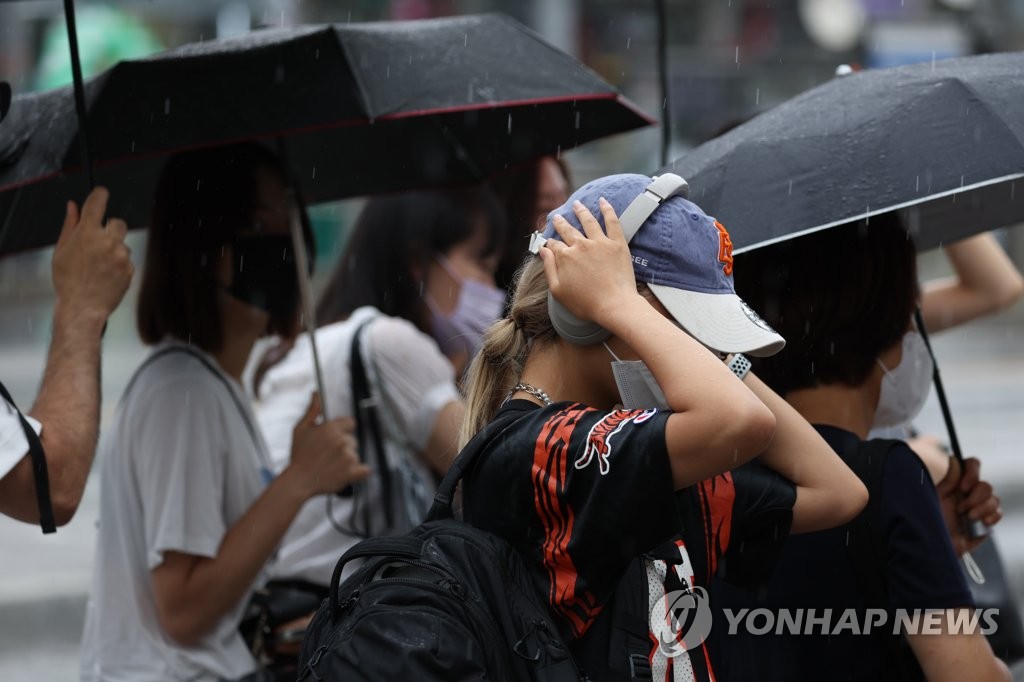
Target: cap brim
x: 722, y: 322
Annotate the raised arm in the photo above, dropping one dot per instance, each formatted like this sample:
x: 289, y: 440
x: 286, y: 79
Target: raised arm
x: 828, y: 493
x: 193, y: 592
x: 91, y: 272
x: 986, y: 282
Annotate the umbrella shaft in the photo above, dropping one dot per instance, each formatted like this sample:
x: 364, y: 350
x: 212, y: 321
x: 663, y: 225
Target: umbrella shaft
x: 79, y: 89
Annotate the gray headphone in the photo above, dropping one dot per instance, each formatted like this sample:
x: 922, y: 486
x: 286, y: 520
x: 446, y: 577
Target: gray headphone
x: 584, y: 332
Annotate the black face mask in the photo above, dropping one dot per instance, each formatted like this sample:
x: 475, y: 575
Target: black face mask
x: 264, y: 274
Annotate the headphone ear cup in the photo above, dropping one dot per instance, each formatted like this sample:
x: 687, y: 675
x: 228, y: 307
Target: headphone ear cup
x: 573, y: 329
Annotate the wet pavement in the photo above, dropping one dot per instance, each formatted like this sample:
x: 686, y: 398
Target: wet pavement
x: 44, y: 580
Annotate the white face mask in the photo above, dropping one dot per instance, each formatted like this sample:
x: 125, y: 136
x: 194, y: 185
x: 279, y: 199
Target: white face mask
x: 638, y: 389
x: 905, y: 387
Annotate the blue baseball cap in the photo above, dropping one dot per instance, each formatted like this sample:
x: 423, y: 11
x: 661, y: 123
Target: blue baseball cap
x: 685, y: 257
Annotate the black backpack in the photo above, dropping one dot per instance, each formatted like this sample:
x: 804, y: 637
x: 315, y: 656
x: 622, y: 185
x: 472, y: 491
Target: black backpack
x: 447, y: 601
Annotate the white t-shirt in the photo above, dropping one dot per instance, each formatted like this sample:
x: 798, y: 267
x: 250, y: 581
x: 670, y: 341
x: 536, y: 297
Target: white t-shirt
x: 13, y: 445
x: 415, y: 381
x: 181, y: 463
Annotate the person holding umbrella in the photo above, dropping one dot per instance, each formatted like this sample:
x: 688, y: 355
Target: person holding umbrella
x: 190, y: 511
x: 92, y: 269
x: 415, y: 287
x: 619, y: 470
x: 845, y: 297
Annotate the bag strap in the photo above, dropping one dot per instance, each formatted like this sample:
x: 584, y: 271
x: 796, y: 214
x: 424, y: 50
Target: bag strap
x: 40, y: 471
x: 213, y: 370
x: 867, y: 550
x: 445, y: 495
x: 365, y: 409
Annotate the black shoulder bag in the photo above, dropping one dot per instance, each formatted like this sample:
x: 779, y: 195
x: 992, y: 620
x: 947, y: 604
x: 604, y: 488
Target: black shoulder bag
x: 39, y: 469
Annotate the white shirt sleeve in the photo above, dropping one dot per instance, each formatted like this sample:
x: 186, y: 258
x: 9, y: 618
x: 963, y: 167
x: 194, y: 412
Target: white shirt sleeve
x: 415, y: 377
x: 181, y: 470
x: 13, y: 444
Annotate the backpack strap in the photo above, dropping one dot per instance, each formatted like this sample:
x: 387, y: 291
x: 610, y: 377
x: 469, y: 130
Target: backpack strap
x: 445, y: 495
x: 868, y: 552
x: 40, y: 471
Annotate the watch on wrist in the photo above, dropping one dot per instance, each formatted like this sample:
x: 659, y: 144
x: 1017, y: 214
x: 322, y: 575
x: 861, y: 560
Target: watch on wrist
x: 739, y: 365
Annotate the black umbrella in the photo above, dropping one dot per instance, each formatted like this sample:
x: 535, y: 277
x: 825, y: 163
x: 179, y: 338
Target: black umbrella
x: 942, y: 141
x: 361, y: 108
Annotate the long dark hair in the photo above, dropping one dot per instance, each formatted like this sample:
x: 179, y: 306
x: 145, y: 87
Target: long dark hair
x: 203, y: 199
x: 395, y: 237
x: 517, y: 190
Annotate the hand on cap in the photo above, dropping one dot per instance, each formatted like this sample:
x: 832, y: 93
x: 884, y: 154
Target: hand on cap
x: 590, y: 273
x: 92, y: 266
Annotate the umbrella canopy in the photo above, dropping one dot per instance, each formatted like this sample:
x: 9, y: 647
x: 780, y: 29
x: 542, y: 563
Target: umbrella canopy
x: 361, y: 108
x: 943, y: 142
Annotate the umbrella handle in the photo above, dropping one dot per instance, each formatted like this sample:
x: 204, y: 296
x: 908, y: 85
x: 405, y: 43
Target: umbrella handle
x: 973, y: 529
x: 306, y: 295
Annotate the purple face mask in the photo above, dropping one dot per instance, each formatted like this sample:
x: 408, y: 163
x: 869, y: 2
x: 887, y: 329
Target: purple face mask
x: 478, y: 307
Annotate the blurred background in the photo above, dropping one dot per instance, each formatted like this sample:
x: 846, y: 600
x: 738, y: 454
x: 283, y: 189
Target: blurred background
x: 727, y: 59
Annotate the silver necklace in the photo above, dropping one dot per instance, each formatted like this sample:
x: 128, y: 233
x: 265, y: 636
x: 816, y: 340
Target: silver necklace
x: 532, y: 390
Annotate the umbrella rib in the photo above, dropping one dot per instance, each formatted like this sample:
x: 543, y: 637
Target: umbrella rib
x: 9, y: 218
x: 360, y: 89
x: 886, y: 209
x: 461, y: 153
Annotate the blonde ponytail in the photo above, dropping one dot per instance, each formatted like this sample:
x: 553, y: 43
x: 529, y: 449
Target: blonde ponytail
x: 499, y: 363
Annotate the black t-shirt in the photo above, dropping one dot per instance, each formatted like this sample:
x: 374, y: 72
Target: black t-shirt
x: 816, y: 571
x: 587, y: 498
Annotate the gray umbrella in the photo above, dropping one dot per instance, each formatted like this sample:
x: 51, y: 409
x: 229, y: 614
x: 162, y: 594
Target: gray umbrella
x: 942, y: 141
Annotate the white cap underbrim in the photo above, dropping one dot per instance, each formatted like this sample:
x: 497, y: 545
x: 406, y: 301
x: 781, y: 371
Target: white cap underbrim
x: 722, y: 322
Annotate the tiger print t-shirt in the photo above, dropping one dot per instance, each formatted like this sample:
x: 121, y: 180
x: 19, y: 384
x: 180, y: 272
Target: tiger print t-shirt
x: 586, y: 496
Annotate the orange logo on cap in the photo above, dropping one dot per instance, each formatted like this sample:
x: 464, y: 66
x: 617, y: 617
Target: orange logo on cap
x: 724, y: 248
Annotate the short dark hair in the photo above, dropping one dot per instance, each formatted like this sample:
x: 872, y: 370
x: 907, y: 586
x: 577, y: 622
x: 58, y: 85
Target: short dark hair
x: 840, y: 297
x: 395, y: 234
x: 203, y: 199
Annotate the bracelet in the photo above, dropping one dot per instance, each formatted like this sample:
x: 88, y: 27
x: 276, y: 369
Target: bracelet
x: 739, y: 365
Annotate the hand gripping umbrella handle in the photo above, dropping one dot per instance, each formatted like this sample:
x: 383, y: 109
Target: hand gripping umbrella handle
x: 973, y: 529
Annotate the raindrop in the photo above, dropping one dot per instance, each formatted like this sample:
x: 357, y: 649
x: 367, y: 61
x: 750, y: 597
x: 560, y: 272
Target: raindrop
x: 349, y: 20
x: 917, y: 184
x: 167, y: 106
x: 133, y: 145
x: 510, y: 124
x: 241, y: 262
x: 790, y: 187
x: 737, y: 55
x: 314, y: 172
x: 847, y: 538
x: 757, y: 97
x: 628, y: 41
x: 465, y: 39
x: 577, y: 120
